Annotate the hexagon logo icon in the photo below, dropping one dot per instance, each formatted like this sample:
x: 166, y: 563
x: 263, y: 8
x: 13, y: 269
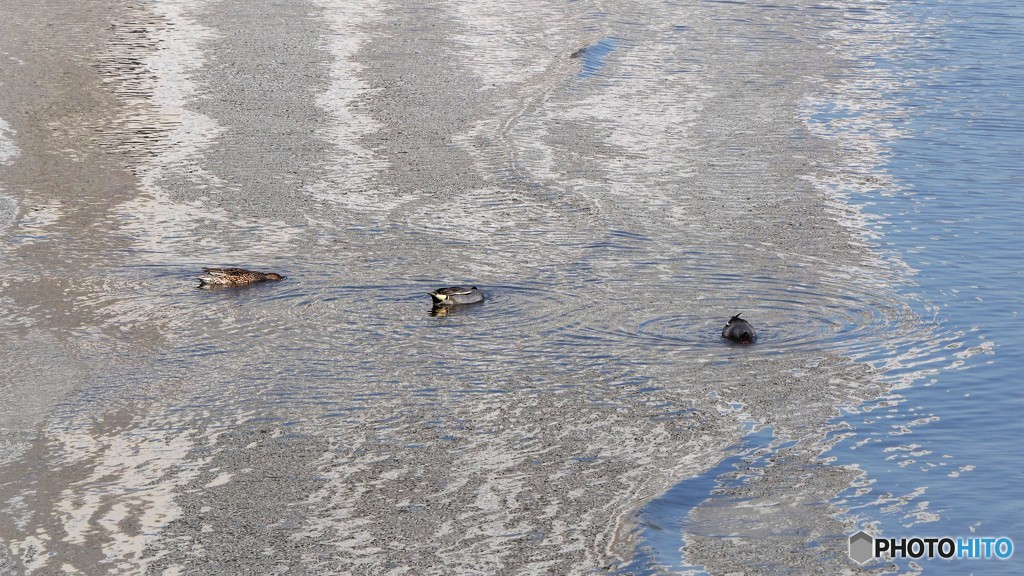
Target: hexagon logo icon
x: 862, y: 547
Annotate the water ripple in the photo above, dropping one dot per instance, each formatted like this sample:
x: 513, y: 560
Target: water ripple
x: 796, y: 303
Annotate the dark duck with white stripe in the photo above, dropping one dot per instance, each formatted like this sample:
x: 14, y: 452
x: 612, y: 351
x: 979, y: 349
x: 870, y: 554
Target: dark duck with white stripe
x: 739, y: 330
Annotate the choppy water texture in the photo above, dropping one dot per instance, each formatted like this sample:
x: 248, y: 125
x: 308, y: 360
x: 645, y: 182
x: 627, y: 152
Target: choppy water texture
x: 619, y: 178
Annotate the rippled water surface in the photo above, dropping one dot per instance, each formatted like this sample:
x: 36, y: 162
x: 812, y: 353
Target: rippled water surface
x: 945, y: 444
x: 618, y: 178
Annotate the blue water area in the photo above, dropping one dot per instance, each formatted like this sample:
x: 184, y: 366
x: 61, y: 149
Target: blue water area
x: 956, y: 220
x: 595, y: 56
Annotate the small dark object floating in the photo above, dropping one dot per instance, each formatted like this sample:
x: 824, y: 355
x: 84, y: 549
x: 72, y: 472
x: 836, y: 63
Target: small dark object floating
x: 739, y: 330
x: 578, y: 53
x: 456, y: 295
x: 234, y: 277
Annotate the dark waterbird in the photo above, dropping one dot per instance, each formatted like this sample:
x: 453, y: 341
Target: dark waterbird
x: 234, y: 277
x: 456, y: 296
x: 739, y: 330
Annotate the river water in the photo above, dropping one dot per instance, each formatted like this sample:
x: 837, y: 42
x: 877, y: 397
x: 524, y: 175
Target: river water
x: 618, y: 177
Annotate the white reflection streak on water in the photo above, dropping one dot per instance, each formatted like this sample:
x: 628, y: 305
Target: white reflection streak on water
x: 354, y: 165
x: 166, y: 139
x: 861, y: 111
x: 8, y: 205
x: 157, y: 222
x: 500, y: 479
x: 36, y: 221
x: 137, y: 461
x: 649, y: 117
x: 144, y: 457
x: 8, y: 151
x: 155, y: 218
x: 640, y: 113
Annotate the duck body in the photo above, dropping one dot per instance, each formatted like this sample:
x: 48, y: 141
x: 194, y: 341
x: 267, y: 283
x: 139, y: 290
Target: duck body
x: 234, y: 277
x: 739, y: 330
x: 456, y: 296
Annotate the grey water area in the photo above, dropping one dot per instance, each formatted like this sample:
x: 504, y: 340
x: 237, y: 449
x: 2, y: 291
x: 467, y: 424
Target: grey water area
x: 619, y: 178
x: 939, y: 455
